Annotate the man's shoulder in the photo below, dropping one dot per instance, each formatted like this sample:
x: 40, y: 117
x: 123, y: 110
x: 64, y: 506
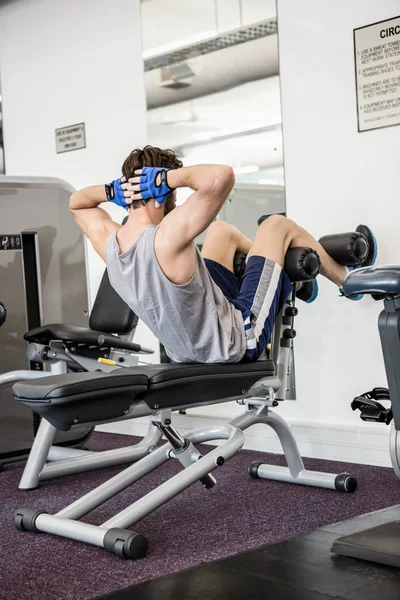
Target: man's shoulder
x: 126, y: 238
x: 103, y: 227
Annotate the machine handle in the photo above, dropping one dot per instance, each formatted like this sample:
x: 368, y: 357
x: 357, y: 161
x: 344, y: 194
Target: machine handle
x: 115, y: 342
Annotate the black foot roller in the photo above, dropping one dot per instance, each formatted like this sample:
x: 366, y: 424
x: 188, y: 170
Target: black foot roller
x: 345, y: 483
x: 379, y: 544
x: 25, y: 518
x: 125, y: 543
x: 253, y: 469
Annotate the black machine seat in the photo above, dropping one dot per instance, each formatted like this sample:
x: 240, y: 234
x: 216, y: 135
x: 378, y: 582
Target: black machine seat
x: 65, y: 400
x: 373, y: 280
x: 66, y: 333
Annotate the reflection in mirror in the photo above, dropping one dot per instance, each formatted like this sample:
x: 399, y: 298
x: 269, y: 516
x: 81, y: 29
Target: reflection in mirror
x: 212, y: 89
x: 213, y: 96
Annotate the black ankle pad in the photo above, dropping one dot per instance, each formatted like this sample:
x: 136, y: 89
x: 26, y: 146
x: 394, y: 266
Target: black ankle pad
x: 239, y: 264
x: 348, y: 249
x: 301, y: 264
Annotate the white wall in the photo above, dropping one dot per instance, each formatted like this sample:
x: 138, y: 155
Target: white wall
x: 70, y: 62
x: 336, y: 178
x: 59, y: 67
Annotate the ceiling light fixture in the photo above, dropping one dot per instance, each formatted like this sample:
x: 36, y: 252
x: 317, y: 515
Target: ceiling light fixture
x: 205, y: 136
x: 247, y: 169
x: 269, y: 182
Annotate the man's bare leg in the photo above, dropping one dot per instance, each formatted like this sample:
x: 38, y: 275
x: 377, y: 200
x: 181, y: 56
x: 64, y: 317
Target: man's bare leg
x: 277, y: 234
x: 222, y: 242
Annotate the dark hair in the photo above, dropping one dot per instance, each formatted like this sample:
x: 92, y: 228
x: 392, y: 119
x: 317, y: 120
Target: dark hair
x: 150, y: 156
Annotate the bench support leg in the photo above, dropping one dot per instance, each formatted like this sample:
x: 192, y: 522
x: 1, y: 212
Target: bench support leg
x: 89, y: 461
x: 37, y: 456
x: 295, y: 472
x: 111, y: 535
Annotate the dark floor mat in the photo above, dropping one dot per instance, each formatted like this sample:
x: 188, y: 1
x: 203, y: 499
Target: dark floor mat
x: 199, y: 525
x: 302, y: 568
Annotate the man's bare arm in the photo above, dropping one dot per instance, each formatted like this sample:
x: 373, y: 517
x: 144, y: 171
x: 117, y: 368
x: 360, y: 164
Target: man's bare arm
x: 95, y: 222
x: 212, y: 185
x: 174, y: 247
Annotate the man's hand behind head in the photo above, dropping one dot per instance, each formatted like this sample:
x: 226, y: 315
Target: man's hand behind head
x: 150, y: 183
x: 151, y: 156
x: 116, y: 192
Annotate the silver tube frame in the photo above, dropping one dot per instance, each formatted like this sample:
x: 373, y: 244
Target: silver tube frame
x: 65, y: 523
x: 69, y: 461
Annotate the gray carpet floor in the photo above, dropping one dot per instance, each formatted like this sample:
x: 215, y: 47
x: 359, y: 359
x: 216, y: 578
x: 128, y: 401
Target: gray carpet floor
x: 238, y: 514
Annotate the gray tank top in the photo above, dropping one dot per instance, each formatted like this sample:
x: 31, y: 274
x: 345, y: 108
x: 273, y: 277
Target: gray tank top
x: 195, y: 321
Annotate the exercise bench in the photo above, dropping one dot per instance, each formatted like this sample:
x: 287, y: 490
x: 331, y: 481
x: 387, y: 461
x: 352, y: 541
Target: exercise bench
x: 66, y: 401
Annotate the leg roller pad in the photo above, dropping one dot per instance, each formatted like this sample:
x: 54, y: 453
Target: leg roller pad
x: 25, y: 518
x: 347, y: 249
x: 301, y: 264
x: 345, y: 483
x: 125, y: 543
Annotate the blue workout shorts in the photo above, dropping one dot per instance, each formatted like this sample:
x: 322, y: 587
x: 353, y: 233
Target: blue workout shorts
x: 260, y: 295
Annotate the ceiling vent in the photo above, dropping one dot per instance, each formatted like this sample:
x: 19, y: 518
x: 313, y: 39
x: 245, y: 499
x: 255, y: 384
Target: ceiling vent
x: 228, y: 39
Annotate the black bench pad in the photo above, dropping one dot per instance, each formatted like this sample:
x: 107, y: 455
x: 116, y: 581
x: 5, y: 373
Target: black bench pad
x: 65, y: 400
x: 373, y: 280
x: 174, y: 385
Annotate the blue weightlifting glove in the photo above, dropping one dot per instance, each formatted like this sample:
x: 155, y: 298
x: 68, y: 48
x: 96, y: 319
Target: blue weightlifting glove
x: 149, y: 188
x: 115, y: 193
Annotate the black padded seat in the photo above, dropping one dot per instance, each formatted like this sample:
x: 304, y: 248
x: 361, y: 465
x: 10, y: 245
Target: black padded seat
x: 373, y: 280
x: 65, y: 400
x: 173, y: 384
x: 66, y: 333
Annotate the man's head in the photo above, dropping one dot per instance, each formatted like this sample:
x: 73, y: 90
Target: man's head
x: 150, y: 156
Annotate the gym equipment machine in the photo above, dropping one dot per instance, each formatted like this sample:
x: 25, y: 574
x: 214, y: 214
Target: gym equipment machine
x: 42, y: 280
x: 380, y: 544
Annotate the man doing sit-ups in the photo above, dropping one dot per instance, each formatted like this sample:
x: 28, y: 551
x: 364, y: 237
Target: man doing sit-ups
x: 193, y: 302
